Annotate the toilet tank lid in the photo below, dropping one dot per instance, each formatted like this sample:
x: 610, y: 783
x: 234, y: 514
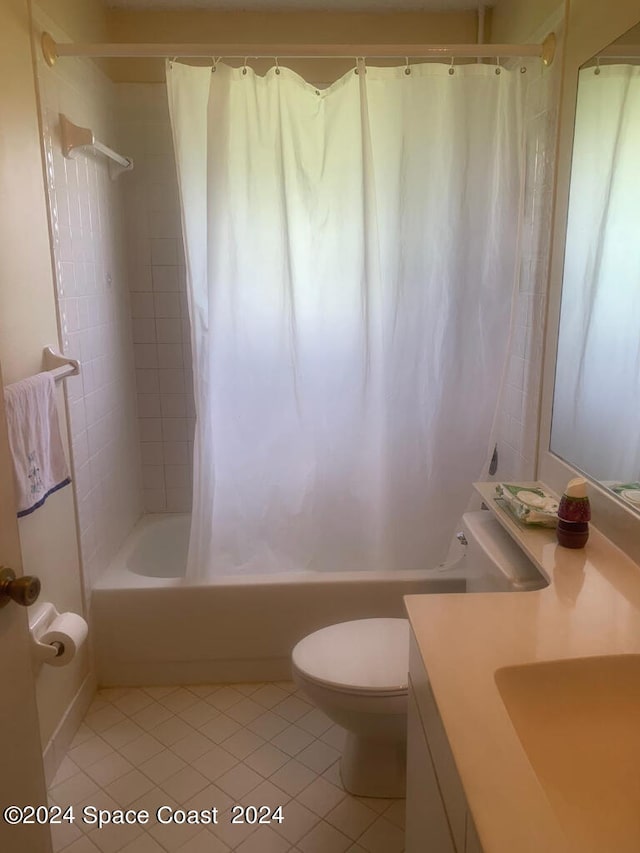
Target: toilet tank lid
x: 363, y: 655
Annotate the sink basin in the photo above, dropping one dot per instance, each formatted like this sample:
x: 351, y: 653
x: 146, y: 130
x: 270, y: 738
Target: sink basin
x: 579, y: 724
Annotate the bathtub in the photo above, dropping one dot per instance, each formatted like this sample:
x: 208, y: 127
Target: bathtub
x: 151, y: 626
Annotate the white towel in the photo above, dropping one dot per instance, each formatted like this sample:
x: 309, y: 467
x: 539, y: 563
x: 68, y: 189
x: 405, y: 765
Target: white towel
x: 39, y: 464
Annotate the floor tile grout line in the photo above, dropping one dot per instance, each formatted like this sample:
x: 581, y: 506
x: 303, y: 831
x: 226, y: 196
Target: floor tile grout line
x: 315, y: 739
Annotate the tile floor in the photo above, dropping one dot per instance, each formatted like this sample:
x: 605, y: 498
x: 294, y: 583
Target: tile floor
x: 216, y: 745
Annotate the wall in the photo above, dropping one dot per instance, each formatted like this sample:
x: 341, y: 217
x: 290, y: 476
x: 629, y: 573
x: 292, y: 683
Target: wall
x: 517, y: 20
x: 281, y: 28
x: 27, y: 324
x: 91, y: 287
x: 158, y: 300
x: 82, y: 20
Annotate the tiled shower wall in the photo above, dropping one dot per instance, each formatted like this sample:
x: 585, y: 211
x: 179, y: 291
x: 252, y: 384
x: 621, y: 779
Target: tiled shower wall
x: 93, y: 307
x: 156, y: 272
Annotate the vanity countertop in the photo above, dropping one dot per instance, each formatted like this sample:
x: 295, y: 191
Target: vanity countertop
x: 590, y: 608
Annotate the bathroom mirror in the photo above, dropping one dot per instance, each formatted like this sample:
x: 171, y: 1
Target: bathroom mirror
x: 596, y: 402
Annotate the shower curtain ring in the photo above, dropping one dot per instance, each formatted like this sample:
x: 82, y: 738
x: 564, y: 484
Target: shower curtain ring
x: 277, y: 66
x: 452, y: 70
x: 360, y: 59
x: 214, y: 67
x: 244, y: 67
x: 407, y: 69
x: 597, y: 70
x: 498, y: 68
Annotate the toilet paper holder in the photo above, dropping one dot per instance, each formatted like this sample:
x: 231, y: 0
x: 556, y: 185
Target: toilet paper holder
x: 40, y: 620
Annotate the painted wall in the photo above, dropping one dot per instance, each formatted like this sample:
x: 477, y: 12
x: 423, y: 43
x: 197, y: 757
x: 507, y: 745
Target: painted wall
x: 516, y: 20
x: 82, y: 20
x: 278, y: 28
x: 27, y: 324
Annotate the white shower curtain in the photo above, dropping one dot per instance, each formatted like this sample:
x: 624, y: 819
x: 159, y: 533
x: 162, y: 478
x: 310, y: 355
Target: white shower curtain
x: 596, y: 410
x: 352, y: 257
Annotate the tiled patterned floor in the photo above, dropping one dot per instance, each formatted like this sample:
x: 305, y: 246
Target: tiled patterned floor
x: 217, y: 745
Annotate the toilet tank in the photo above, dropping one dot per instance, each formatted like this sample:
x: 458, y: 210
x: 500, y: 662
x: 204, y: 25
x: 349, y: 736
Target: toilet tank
x: 494, y: 563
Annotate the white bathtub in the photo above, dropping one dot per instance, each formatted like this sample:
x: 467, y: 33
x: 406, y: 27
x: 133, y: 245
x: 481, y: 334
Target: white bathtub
x: 151, y: 626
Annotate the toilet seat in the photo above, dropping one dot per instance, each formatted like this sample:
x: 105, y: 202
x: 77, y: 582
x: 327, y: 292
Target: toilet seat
x: 365, y: 656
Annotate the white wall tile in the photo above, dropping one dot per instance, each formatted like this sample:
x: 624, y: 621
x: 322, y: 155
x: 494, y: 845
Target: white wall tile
x: 173, y: 406
x: 147, y: 381
x: 165, y: 278
x: 142, y: 305
x: 145, y: 355
x: 149, y: 406
x: 150, y: 429
x: 170, y: 355
x: 90, y: 255
x: 175, y: 453
x: 177, y: 476
x: 152, y: 453
x: 169, y: 330
x: 175, y: 429
x: 153, y: 476
x: 167, y: 304
x: 164, y: 251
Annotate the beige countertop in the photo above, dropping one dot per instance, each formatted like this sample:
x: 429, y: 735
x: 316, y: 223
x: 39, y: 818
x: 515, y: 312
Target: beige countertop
x: 590, y: 608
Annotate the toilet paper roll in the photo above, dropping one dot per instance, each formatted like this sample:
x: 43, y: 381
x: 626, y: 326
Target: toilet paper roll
x: 68, y: 629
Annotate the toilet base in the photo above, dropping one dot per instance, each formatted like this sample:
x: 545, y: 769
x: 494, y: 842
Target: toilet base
x: 374, y: 767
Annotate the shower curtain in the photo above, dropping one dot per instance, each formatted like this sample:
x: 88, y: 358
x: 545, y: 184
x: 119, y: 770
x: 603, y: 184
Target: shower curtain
x: 596, y: 410
x: 352, y: 256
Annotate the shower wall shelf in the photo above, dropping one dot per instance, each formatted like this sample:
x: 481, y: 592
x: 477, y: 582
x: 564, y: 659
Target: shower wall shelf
x: 59, y: 365
x: 76, y: 139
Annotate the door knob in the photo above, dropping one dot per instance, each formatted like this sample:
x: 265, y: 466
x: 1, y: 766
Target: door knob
x: 24, y: 590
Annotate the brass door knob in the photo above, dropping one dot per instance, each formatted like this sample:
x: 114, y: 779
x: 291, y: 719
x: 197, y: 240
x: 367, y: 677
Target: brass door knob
x: 24, y: 590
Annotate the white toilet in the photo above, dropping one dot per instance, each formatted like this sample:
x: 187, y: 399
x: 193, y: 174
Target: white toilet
x: 356, y: 672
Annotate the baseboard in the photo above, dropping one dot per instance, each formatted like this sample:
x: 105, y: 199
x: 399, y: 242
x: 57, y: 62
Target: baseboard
x: 134, y: 673
x: 60, y: 741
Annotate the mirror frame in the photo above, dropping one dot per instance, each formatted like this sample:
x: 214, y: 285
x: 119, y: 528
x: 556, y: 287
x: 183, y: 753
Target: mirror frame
x: 590, y: 27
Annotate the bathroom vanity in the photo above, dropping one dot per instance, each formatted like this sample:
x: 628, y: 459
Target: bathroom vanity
x: 521, y: 707
x: 438, y: 817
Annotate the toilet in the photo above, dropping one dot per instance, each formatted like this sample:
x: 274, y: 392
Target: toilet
x: 357, y: 672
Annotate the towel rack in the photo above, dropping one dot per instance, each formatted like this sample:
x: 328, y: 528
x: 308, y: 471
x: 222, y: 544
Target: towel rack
x: 59, y: 365
x: 76, y: 138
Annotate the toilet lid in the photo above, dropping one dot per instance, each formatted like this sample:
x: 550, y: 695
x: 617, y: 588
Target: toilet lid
x: 367, y: 655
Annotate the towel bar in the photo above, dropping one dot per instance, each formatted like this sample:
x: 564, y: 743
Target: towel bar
x: 59, y: 365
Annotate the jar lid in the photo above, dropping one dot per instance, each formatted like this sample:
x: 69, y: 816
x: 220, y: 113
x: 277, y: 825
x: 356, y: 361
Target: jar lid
x: 576, y: 488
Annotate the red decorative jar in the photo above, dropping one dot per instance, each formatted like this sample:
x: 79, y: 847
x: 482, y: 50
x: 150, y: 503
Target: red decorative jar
x: 574, y: 514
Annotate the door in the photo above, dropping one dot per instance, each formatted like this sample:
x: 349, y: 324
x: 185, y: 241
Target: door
x: 21, y: 771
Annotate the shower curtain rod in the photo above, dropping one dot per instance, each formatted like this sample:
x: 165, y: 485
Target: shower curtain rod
x: 53, y: 50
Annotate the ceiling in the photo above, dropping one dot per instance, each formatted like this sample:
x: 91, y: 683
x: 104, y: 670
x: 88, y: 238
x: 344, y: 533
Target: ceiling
x: 302, y: 5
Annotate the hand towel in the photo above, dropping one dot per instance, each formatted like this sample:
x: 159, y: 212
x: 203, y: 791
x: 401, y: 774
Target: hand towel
x: 39, y: 464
